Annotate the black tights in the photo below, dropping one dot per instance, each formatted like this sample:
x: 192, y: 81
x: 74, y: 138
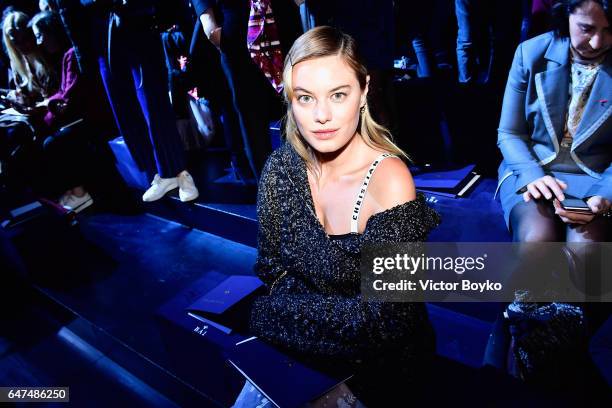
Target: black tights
x: 536, y: 221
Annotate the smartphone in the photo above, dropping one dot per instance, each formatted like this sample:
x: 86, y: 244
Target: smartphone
x: 576, y: 205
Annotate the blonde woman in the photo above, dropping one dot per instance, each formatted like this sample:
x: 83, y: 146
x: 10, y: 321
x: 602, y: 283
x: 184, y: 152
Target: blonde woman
x: 339, y: 182
x: 34, y: 79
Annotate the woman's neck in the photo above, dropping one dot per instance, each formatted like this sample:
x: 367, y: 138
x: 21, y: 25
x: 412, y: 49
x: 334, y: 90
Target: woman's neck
x: 345, y: 160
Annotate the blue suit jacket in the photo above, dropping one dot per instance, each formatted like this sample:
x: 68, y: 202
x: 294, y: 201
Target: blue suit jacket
x: 534, y: 114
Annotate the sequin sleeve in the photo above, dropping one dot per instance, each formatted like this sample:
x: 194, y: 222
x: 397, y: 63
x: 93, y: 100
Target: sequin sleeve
x: 268, y: 266
x: 341, y: 327
x: 408, y: 222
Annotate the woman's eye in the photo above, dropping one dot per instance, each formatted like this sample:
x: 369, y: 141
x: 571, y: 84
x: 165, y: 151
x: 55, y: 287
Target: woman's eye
x: 338, y: 96
x: 304, y: 99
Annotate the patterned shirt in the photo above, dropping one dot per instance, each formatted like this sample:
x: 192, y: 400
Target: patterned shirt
x: 583, y: 75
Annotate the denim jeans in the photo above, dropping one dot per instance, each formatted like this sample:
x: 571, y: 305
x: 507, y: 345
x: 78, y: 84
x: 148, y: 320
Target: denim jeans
x: 488, y: 32
x: 136, y: 82
x: 466, y: 22
x: 413, y: 24
x: 308, y: 19
x: 424, y: 58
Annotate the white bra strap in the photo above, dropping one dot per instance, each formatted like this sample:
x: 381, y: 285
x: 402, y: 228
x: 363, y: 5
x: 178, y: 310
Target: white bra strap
x: 362, y: 192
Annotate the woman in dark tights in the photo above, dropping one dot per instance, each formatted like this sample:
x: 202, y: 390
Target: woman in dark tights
x: 555, y: 135
x: 555, y: 143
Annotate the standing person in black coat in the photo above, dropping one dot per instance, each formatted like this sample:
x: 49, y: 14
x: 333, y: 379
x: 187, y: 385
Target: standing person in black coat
x: 255, y: 100
x: 371, y: 24
x: 121, y: 38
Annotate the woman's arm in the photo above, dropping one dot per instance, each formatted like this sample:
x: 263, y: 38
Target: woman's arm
x: 64, y: 98
x: 349, y: 327
x: 268, y: 266
x: 513, y: 133
x: 340, y: 327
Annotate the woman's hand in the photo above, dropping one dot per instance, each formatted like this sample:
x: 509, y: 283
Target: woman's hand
x: 545, y: 187
x: 572, y: 217
x: 597, y: 204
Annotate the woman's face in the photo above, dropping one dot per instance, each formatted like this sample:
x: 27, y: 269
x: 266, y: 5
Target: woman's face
x: 326, y: 102
x: 46, y: 41
x: 590, y: 30
x: 22, y: 39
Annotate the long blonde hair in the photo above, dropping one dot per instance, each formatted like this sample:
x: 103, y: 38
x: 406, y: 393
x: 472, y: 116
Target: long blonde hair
x: 325, y: 41
x: 32, y: 74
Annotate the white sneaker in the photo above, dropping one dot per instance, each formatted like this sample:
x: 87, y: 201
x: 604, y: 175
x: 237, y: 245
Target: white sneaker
x: 76, y: 204
x: 187, y: 189
x: 159, y: 187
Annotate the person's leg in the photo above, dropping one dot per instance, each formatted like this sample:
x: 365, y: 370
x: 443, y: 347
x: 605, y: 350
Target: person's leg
x: 69, y: 159
x: 381, y: 98
x: 598, y: 230
x: 465, y: 40
x: 442, y: 28
x: 308, y: 19
x: 238, y: 141
x: 20, y: 157
x: 533, y: 225
x: 530, y: 223
x: 505, y: 19
x: 588, y: 272
x: 66, y: 160
x: 152, y: 90
x: 420, y: 17
x: 208, y: 75
x: 119, y: 86
x: 251, y: 100
x: 535, y: 221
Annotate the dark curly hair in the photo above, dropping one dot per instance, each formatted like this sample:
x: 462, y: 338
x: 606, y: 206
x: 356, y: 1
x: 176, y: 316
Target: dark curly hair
x: 563, y: 8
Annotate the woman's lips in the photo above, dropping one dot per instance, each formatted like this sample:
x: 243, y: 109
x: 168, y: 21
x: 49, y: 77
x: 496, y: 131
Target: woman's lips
x: 324, y: 134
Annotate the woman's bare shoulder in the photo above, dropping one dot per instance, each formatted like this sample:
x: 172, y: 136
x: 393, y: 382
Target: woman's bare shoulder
x: 392, y: 183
